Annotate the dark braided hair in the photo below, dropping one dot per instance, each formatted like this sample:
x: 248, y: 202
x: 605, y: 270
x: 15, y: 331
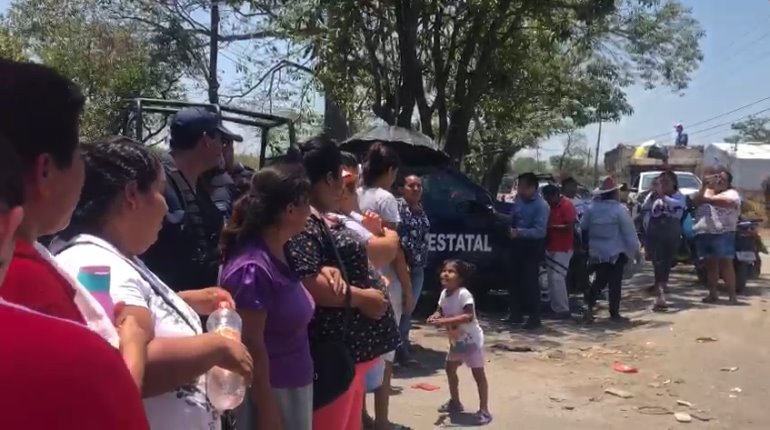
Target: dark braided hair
x: 111, y: 164
x: 273, y: 188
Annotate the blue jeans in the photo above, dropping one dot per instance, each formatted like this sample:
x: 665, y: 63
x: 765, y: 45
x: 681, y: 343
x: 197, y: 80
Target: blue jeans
x: 720, y: 245
x: 418, y: 277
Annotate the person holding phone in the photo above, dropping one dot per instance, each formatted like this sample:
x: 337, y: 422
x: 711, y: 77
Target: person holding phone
x: 718, y: 207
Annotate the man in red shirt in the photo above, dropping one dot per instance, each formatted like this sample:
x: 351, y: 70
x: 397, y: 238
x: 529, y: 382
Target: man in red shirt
x: 56, y: 374
x: 558, y: 248
x: 39, y: 116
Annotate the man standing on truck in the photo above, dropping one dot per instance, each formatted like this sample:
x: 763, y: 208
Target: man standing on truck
x: 528, y: 229
x: 680, y: 141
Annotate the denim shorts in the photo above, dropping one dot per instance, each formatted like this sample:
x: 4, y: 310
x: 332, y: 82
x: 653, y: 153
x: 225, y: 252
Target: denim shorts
x: 720, y: 245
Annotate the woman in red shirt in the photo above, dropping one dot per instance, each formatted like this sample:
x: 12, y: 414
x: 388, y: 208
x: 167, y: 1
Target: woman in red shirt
x: 55, y: 373
x: 39, y: 115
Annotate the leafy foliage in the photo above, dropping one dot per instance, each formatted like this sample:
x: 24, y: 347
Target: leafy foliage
x: 110, y: 62
x: 10, y: 47
x: 517, y: 69
x: 752, y: 129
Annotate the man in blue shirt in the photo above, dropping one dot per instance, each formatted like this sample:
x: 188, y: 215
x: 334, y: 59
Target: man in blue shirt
x: 681, y: 137
x: 529, y: 222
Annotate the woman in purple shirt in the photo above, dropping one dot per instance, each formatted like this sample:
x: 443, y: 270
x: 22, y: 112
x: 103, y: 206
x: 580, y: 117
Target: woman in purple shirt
x: 274, y: 305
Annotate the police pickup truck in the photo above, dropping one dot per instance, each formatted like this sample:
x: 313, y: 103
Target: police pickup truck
x: 466, y: 221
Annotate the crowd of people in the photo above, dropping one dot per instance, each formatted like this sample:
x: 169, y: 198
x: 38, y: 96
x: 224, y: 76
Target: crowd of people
x: 574, y: 239
x: 322, y: 255
x: 319, y: 257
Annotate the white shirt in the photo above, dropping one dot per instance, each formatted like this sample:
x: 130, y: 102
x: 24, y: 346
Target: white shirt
x: 384, y: 204
x: 710, y: 219
x: 93, y: 313
x: 187, y: 407
x: 465, y: 336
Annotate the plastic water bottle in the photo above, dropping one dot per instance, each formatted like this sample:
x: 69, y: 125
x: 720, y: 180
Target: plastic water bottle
x: 96, y: 279
x: 225, y: 389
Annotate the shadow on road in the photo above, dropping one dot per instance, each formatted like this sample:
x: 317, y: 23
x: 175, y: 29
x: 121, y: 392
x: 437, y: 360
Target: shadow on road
x: 429, y: 362
x: 685, y: 294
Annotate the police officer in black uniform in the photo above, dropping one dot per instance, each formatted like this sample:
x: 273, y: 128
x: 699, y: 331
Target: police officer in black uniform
x: 186, y: 254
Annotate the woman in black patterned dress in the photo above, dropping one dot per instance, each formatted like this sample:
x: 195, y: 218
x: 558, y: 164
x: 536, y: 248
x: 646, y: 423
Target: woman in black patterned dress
x: 371, y: 330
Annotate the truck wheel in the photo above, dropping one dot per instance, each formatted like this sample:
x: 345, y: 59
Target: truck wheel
x: 741, y: 276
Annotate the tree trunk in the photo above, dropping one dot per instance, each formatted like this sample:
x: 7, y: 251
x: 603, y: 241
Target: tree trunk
x: 497, y: 168
x: 457, y: 142
x: 213, y: 83
x: 335, y: 119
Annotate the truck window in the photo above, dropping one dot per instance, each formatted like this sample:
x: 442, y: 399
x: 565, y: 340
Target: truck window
x: 688, y: 181
x: 443, y: 192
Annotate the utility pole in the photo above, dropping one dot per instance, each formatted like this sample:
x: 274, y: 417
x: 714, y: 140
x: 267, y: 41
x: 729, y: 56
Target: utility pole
x: 214, y: 53
x: 596, y: 154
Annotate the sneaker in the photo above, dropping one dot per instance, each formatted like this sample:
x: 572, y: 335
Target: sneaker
x: 513, y: 319
x: 617, y: 318
x: 451, y: 407
x: 483, y: 418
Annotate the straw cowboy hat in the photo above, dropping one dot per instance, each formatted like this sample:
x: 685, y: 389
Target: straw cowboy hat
x: 607, y: 184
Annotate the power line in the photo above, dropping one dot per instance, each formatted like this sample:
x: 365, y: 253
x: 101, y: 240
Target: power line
x: 730, y: 122
x: 710, y: 119
x: 731, y: 55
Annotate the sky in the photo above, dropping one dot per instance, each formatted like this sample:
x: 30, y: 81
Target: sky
x: 736, y: 52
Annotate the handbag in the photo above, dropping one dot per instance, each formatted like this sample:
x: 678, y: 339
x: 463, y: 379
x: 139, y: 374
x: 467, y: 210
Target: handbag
x: 333, y: 365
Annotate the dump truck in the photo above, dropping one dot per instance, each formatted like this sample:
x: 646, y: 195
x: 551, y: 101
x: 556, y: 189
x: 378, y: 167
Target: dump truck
x: 620, y: 162
x: 636, y: 173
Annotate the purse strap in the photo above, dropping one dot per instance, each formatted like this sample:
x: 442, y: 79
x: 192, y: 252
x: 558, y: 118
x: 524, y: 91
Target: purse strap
x: 348, y: 294
x: 145, y: 277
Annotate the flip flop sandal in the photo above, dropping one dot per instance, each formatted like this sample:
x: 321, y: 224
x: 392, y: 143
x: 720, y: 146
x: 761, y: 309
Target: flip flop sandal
x: 660, y: 307
x: 450, y: 407
x: 483, y: 418
x: 710, y: 299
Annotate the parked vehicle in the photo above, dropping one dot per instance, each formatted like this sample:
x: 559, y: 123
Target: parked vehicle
x: 747, y: 261
x: 466, y: 222
x: 689, y: 185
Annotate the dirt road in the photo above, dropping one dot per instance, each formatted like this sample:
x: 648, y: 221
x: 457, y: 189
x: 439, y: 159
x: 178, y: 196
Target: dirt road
x: 725, y: 376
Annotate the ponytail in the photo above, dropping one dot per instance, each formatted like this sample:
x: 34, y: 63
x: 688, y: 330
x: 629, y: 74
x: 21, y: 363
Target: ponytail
x: 272, y: 190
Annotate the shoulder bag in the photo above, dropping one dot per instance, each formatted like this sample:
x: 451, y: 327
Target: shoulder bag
x: 333, y: 365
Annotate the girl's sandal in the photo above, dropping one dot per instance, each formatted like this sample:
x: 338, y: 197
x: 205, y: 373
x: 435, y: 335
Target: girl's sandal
x: 710, y: 299
x: 483, y: 418
x: 450, y: 407
x: 660, y: 307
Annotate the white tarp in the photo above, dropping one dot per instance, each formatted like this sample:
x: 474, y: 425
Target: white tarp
x: 749, y: 163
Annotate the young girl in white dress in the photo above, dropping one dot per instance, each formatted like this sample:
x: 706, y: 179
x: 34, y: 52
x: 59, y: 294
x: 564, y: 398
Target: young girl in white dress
x: 456, y: 312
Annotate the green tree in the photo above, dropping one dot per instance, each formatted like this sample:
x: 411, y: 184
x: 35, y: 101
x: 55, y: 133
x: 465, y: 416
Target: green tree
x: 10, y: 46
x: 517, y: 67
x: 752, y: 129
x: 528, y: 164
x: 110, y: 62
